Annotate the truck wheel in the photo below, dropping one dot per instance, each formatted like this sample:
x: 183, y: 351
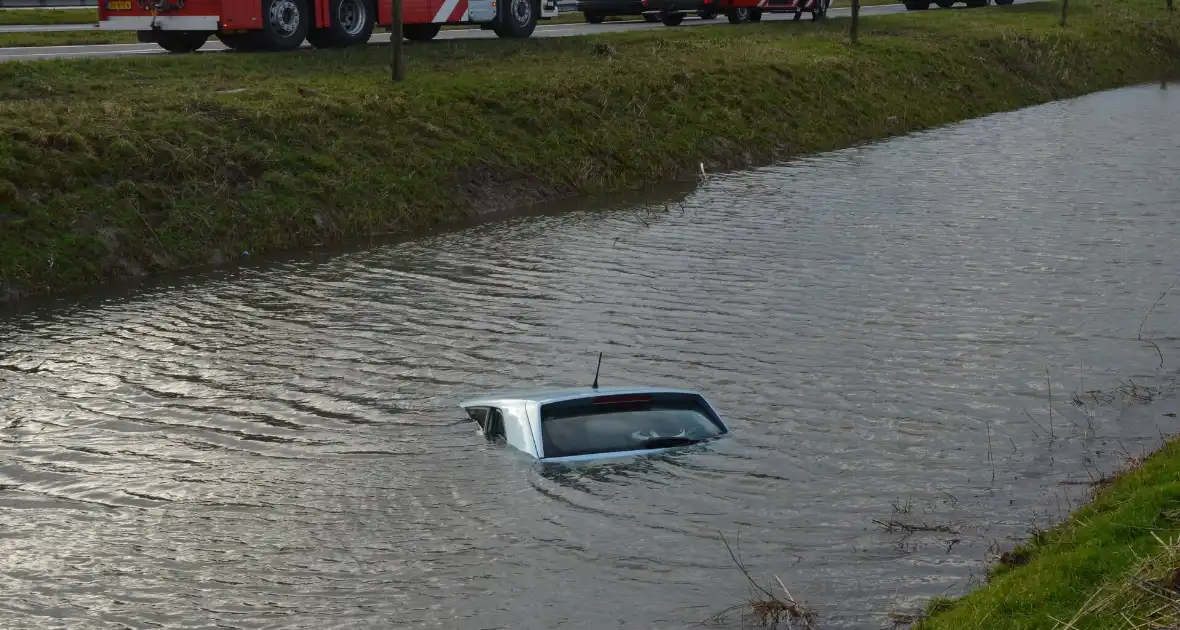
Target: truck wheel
x: 738, y: 16
x: 593, y: 18
x: 284, y: 24
x: 181, y: 41
x: 352, y: 24
x: 420, y: 32
x: 672, y: 19
x: 916, y: 5
x: 755, y: 16
x: 519, y: 20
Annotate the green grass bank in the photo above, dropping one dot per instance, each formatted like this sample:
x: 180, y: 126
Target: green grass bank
x: 117, y: 168
x: 1114, y: 564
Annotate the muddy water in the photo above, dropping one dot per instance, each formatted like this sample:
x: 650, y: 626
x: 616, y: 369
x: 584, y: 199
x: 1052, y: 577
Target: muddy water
x: 279, y: 447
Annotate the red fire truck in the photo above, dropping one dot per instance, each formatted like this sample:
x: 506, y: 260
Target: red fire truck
x: 185, y: 25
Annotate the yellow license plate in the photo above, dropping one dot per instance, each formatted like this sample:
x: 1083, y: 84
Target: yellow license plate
x: 119, y: 5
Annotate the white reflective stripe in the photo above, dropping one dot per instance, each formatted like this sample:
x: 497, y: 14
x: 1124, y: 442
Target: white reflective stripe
x: 164, y: 22
x: 448, y: 7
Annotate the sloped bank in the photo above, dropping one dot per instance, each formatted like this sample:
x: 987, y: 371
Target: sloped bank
x: 1113, y: 564
x: 117, y: 168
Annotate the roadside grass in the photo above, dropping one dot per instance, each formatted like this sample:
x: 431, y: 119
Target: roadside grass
x: 115, y: 168
x: 1113, y: 565
x: 48, y: 16
x: 67, y: 38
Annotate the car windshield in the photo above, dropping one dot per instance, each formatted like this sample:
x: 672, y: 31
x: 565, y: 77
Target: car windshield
x: 625, y: 423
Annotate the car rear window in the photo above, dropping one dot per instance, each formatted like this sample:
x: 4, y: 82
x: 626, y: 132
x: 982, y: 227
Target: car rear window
x: 619, y: 423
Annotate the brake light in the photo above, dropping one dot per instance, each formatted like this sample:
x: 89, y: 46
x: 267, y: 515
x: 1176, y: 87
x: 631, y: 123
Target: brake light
x: 624, y: 398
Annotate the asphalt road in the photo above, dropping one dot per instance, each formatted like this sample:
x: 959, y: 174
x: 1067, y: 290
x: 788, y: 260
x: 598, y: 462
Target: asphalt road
x: 543, y: 30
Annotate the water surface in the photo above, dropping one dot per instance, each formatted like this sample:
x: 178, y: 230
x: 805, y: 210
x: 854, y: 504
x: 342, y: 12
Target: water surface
x: 279, y: 446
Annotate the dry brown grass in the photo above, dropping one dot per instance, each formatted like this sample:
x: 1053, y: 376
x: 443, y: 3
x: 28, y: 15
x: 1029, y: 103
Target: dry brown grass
x: 763, y: 608
x: 1147, y: 596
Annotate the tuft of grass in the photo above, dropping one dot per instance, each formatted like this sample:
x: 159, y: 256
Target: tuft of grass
x: 763, y: 608
x: 1109, y: 566
x: 113, y: 168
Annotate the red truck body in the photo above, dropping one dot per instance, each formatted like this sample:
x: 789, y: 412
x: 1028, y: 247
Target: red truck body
x: 185, y: 25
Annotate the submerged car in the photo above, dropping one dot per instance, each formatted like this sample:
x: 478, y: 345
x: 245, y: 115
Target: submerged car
x: 590, y: 423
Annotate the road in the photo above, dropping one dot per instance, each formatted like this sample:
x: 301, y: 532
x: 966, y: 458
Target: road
x: 554, y: 30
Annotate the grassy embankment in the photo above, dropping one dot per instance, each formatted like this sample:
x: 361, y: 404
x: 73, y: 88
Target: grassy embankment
x: 112, y: 168
x: 1114, y: 564
x: 88, y: 16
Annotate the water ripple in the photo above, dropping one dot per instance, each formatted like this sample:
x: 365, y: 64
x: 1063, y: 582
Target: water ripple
x: 279, y: 446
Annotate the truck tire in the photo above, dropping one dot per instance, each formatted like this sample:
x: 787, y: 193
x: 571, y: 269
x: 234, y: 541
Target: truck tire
x: 738, y: 16
x: 181, y: 41
x: 917, y: 5
x: 420, y: 32
x: 519, y: 19
x: 593, y: 18
x: 755, y: 16
x: 672, y: 19
x: 284, y: 24
x: 352, y: 24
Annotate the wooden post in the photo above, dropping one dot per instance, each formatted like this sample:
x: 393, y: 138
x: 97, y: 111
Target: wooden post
x: 855, y: 20
x: 1064, y: 9
x: 395, y: 43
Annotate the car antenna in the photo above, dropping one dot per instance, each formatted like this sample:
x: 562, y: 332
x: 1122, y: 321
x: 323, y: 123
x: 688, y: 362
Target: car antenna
x: 595, y: 385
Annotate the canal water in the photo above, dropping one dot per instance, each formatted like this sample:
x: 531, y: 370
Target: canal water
x: 279, y: 446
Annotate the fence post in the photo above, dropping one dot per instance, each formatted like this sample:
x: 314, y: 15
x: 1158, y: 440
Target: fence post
x: 852, y: 33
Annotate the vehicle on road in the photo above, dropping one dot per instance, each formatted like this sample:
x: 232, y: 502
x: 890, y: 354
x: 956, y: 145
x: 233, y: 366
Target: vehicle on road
x: 672, y: 12
x: 590, y: 424
x: 596, y: 11
x: 275, y: 25
x: 922, y: 5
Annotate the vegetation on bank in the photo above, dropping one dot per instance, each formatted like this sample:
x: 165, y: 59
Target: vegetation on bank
x: 66, y: 38
x: 48, y: 16
x: 114, y: 168
x: 1114, y: 564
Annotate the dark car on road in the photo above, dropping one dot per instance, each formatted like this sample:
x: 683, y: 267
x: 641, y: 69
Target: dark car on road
x: 596, y: 11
